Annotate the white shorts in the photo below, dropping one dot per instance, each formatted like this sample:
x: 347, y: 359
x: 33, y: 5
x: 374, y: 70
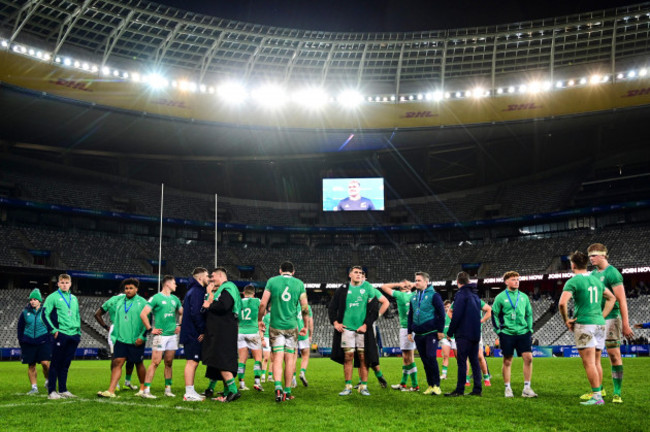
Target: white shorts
x: 164, y: 343
x: 283, y: 340
x: 303, y: 344
x: 450, y: 343
x: 110, y: 341
x: 250, y: 341
x: 267, y: 344
x: 404, y: 343
x: 351, y: 340
x: 480, y: 344
x: 614, y: 329
x: 589, y: 336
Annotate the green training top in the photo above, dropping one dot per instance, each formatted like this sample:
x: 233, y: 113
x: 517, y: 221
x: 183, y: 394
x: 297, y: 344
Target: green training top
x: 234, y: 293
x: 356, y: 304
x: 503, y: 311
x: 403, y: 300
x: 285, y: 299
x: 164, y: 310
x: 610, y: 277
x: 250, y: 307
x: 128, y: 326
x: 587, y: 293
x: 67, y: 312
x: 108, y: 306
x: 301, y: 323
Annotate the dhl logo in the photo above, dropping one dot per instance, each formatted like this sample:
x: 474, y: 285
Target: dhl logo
x: 419, y: 114
x: 169, y: 103
x: 637, y: 92
x: 77, y: 85
x: 522, y: 107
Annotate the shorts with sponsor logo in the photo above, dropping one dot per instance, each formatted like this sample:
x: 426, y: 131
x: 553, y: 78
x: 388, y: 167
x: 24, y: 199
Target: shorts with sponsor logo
x: 130, y: 352
x: 283, y: 339
x: 267, y: 344
x: 451, y: 343
x: 304, y: 344
x: 614, y: 329
x: 404, y: 342
x: 250, y: 341
x: 193, y: 350
x: 351, y: 340
x: 589, y: 336
x: 164, y: 343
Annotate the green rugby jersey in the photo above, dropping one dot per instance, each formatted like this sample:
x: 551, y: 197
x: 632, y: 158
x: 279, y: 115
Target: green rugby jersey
x: 516, y: 320
x: 356, y: 304
x: 164, y: 310
x: 128, y: 325
x: 610, y: 277
x: 403, y: 300
x: 301, y: 322
x: 66, y: 306
x: 285, y: 299
x: 250, y: 307
x: 587, y: 293
x: 447, y: 322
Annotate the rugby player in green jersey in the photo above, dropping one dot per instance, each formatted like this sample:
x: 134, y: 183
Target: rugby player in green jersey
x: 129, y: 336
x: 249, y: 338
x: 447, y: 344
x: 402, y: 293
x: 617, y: 322
x: 304, y: 347
x: 588, y: 323
x: 165, y: 307
x: 285, y: 293
x: 512, y: 318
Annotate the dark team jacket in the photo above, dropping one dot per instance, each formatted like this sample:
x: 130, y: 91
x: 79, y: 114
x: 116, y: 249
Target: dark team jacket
x: 336, y: 311
x: 466, y: 317
x: 430, y: 314
x: 32, y: 327
x: 193, y: 321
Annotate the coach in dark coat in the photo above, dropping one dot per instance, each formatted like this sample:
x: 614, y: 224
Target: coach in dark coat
x: 465, y: 326
x: 336, y: 312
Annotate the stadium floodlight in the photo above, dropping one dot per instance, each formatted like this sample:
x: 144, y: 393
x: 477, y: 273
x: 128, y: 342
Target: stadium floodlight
x: 478, y: 92
x: 135, y: 77
x: 534, y: 87
x: 447, y: 95
x: 39, y: 55
x: 57, y: 60
x: 269, y: 95
x: 231, y: 92
x: 620, y: 76
x: 106, y: 71
x: 420, y: 97
x: 67, y: 61
x: 77, y: 64
x: 595, y: 79
x: 94, y: 68
x: 116, y: 73
x: 203, y: 88
x: 385, y: 99
x: 523, y: 88
x: 369, y: 98
x: 4, y: 43
x: 312, y: 97
x: 378, y: 99
x: 211, y: 90
x: 499, y: 90
x: 411, y: 97
x: 605, y: 78
x: 559, y: 84
x: 125, y: 75
x: 392, y: 98
x: 156, y: 81
x: 546, y: 85
x: 643, y: 72
x: 631, y: 74
x: 31, y: 52
x: 437, y: 96
x: 402, y: 98
x: 459, y: 94
x: 85, y: 66
x: 583, y: 81
x: 571, y: 83
x: 349, y: 98
x: 511, y: 89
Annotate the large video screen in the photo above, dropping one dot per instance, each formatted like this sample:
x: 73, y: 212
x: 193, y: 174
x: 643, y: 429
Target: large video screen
x: 353, y: 194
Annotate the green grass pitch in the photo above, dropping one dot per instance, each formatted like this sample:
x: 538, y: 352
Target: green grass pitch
x: 558, y: 381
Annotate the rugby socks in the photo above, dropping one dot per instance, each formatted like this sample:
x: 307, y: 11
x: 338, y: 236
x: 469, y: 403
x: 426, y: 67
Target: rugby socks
x: 348, y: 383
x: 230, y: 385
x: 508, y: 385
x: 257, y: 371
x: 34, y: 387
x: 189, y: 389
x: 596, y: 392
x: 287, y: 390
x: 127, y: 379
x: 303, y: 371
x: 444, y: 371
x: 468, y: 378
x: 212, y: 384
x: 379, y: 374
x: 241, y: 371
x: 147, y: 387
x: 278, y: 385
x: 617, y: 377
x: 168, y: 382
x: 412, y: 370
x: 486, y: 377
x: 526, y: 384
x: 405, y: 376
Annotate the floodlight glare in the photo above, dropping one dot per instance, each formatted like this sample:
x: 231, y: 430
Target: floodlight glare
x: 135, y: 77
x: 411, y: 97
x: 447, y: 95
x: 312, y: 97
x: 620, y: 76
x: 459, y: 94
x: 269, y: 95
x: 77, y: 64
x: 420, y: 97
x: 631, y: 74
x: 583, y: 81
x: 605, y: 78
x: 93, y: 68
x: 595, y: 79
x: 558, y: 84
x: 377, y: 99
x: 571, y: 83
x: 31, y: 52
x: 523, y: 88
x: 478, y: 92
x: 203, y: 88
x: 4, y: 44
x: 437, y: 96
x: 85, y: 66
x: 643, y: 72
x: 156, y: 81
x: 232, y: 92
x: 392, y: 98
x: 511, y: 89
x: 67, y: 62
x: 350, y: 98
x: 369, y: 98
x: 106, y: 71
x: 499, y: 90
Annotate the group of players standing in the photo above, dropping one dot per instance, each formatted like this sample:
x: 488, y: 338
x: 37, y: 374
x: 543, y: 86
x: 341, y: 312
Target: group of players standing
x: 218, y: 327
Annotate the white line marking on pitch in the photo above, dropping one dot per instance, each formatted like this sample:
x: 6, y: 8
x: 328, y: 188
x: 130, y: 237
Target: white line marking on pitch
x: 105, y: 401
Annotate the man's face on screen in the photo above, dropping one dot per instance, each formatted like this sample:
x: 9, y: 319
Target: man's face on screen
x: 354, y: 190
